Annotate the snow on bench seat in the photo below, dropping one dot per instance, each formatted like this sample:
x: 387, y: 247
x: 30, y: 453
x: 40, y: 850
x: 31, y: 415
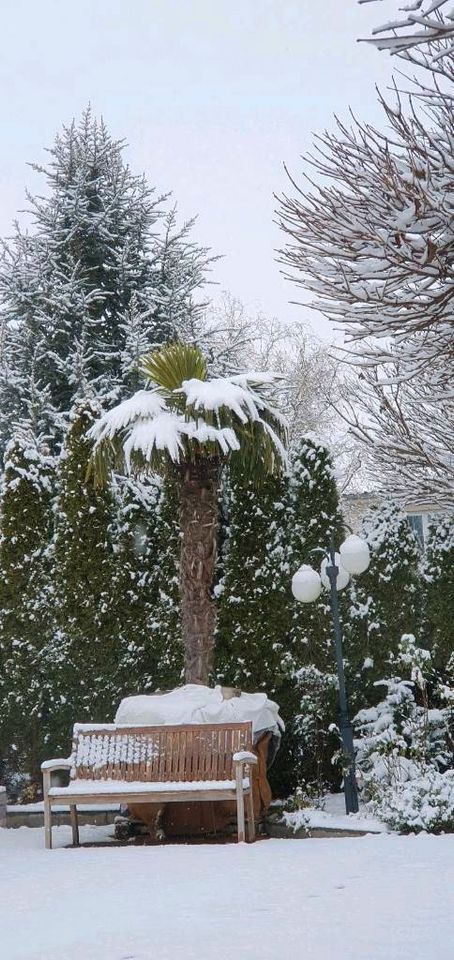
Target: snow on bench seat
x: 102, y: 787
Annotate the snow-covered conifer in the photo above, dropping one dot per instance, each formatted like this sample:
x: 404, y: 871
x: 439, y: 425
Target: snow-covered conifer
x: 166, y: 644
x: 253, y: 595
x: 132, y: 588
x: 145, y: 587
x: 84, y: 570
x: 179, y: 274
x: 92, y: 270
x: 313, y: 512
x: 314, y: 740
x: 26, y: 603
x: 265, y: 637
x: 438, y: 591
x: 384, y: 601
x: 253, y: 645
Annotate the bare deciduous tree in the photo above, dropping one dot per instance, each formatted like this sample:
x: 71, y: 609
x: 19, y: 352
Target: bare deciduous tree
x: 372, y: 237
x: 309, y: 378
x: 409, y: 443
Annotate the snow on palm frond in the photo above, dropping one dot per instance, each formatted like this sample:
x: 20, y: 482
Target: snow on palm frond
x: 168, y: 433
x: 181, y: 419
x: 238, y: 394
x: 144, y: 403
x: 221, y: 393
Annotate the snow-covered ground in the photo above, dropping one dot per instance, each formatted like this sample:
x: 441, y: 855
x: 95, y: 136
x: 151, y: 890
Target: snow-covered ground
x: 369, y: 898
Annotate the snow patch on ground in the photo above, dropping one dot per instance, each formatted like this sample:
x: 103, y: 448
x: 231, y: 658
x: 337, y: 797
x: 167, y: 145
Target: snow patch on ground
x: 331, y: 816
x: 312, y: 818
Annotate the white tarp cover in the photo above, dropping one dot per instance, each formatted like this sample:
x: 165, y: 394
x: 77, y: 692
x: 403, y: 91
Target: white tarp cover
x: 195, y: 703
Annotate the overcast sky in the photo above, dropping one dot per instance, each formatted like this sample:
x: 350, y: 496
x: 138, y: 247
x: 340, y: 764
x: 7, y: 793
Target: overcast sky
x: 211, y: 95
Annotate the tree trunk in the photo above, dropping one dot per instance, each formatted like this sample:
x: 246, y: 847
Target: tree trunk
x: 199, y: 514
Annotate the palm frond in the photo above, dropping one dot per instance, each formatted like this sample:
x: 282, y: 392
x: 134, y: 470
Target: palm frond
x: 174, y: 363
x: 184, y: 418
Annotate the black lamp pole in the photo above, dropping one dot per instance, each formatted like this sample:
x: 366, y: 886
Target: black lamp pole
x: 346, y: 730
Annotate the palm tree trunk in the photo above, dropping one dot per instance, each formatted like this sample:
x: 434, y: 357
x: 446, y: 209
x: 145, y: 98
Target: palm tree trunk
x: 199, y: 515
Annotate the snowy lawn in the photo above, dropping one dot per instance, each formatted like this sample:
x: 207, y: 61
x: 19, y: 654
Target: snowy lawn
x: 372, y: 898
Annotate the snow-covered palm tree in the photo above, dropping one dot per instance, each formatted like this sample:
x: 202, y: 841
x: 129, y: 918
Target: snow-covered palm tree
x: 189, y: 426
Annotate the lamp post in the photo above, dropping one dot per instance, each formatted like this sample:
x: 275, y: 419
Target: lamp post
x: 353, y: 558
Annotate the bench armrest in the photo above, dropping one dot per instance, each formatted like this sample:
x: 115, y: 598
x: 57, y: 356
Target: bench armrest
x: 244, y: 756
x: 57, y: 764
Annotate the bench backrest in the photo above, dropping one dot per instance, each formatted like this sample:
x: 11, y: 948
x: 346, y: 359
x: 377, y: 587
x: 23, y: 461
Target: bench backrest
x: 169, y: 754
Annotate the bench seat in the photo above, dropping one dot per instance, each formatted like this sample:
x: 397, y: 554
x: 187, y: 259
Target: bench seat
x: 79, y: 788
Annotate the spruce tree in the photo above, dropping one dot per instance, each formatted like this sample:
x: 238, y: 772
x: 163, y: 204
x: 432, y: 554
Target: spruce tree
x: 385, y: 601
x: 84, y: 566
x: 179, y: 275
x: 438, y: 592
x: 26, y: 694
x: 93, y: 267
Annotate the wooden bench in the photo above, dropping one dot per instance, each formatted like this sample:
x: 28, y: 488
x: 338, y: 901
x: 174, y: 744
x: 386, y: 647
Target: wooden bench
x: 135, y: 764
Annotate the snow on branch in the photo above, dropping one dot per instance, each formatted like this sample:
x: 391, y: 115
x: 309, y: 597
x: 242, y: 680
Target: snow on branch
x: 423, y: 34
x: 408, y: 438
x: 370, y: 233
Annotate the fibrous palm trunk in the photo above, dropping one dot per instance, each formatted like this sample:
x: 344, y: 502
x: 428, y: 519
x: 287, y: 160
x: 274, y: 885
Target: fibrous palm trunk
x: 199, y: 513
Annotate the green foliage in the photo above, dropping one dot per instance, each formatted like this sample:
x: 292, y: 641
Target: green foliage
x: 315, y: 740
x: 313, y: 514
x: 165, y: 626
x: 438, y: 591
x: 265, y: 638
x: 145, y: 587
x: 252, y: 645
x: 254, y: 592
x: 133, y: 587
x: 385, y: 602
x: 26, y: 696
x: 84, y: 574
x: 169, y: 367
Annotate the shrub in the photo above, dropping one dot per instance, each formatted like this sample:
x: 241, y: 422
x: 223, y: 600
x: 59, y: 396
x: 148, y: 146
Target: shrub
x: 424, y: 802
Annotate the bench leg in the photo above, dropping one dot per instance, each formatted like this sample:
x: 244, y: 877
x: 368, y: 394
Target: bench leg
x: 250, y: 814
x: 47, y: 812
x: 74, y: 824
x: 240, y: 804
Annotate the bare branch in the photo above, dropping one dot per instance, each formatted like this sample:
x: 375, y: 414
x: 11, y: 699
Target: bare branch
x: 372, y: 238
